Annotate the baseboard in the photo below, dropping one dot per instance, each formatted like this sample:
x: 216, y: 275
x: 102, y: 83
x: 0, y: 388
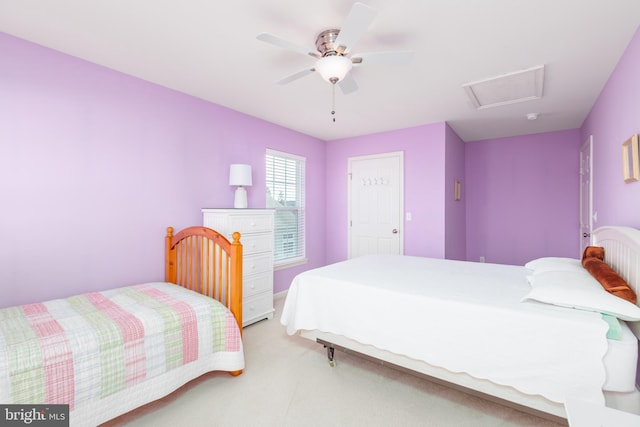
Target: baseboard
x: 280, y: 295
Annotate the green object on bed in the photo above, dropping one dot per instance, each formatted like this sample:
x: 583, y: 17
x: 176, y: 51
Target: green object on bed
x: 615, y: 330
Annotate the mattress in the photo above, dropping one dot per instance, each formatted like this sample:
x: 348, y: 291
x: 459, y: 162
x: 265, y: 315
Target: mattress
x: 463, y: 317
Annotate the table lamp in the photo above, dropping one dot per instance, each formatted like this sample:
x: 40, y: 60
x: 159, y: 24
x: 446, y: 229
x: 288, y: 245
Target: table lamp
x: 240, y: 176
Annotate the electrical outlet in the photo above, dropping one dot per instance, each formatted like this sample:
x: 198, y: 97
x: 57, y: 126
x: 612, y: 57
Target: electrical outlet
x: 482, y: 258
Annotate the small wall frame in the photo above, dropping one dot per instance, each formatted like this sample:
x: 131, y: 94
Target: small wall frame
x: 630, y: 161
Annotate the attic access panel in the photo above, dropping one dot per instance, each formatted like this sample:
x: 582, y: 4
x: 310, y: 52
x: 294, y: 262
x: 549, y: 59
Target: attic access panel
x: 506, y: 89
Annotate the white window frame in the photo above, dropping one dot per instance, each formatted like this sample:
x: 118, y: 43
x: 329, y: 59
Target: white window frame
x: 299, y: 185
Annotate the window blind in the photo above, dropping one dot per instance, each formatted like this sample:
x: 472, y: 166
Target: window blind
x: 285, y: 182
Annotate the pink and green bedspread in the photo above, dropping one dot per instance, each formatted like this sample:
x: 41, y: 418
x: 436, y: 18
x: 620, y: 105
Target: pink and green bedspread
x: 89, y: 347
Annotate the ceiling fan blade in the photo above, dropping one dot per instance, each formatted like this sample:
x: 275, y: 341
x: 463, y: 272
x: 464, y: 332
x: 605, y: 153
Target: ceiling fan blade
x: 384, y: 58
x: 359, y: 19
x: 295, y: 76
x: 275, y: 40
x: 348, y: 84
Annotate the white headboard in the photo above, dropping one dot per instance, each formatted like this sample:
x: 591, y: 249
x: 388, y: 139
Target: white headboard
x: 622, y: 252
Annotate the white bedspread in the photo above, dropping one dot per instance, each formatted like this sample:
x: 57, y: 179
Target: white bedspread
x: 461, y: 316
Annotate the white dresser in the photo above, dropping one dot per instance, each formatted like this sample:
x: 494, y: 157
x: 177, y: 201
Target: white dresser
x: 256, y: 229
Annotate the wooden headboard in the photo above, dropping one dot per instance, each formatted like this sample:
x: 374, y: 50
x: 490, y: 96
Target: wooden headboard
x: 204, y: 261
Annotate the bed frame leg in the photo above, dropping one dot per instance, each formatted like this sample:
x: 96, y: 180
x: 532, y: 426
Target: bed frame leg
x: 330, y: 352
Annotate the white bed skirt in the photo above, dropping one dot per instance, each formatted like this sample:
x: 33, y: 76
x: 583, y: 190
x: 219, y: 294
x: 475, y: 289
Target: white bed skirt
x: 627, y: 401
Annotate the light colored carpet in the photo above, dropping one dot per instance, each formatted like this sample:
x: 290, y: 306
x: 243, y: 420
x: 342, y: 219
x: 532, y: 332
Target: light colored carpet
x: 288, y: 382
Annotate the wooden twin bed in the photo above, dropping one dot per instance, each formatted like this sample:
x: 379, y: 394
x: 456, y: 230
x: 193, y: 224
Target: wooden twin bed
x: 483, y: 328
x: 107, y: 353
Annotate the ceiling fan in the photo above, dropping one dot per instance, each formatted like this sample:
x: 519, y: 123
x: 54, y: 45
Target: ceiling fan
x: 334, y: 57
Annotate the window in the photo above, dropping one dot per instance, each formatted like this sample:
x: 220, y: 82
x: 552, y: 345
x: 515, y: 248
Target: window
x: 285, y: 194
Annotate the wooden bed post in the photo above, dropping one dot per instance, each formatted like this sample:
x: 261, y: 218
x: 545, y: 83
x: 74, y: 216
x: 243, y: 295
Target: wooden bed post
x: 236, y: 274
x: 170, y: 258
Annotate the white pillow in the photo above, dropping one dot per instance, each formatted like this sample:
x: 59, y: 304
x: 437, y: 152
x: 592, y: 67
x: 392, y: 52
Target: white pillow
x: 554, y: 264
x: 576, y: 290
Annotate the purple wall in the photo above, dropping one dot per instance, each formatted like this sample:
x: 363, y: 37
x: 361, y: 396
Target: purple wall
x: 455, y: 218
x: 94, y: 161
x: 424, y: 172
x: 613, y: 119
x: 96, y: 164
x: 523, y: 197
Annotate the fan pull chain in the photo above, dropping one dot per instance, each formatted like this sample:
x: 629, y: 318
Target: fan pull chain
x: 333, y: 102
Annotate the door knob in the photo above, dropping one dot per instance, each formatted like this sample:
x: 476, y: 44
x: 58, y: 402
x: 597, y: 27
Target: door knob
x: 586, y: 235
x: 394, y: 231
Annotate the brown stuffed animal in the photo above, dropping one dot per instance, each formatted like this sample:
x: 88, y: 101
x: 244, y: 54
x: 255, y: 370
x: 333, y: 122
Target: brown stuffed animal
x: 593, y: 252
x: 609, y: 279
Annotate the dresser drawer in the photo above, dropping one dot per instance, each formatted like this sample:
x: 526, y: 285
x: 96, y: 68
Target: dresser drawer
x: 257, y: 308
x: 254, y: 264
x: 250, y: 224
x: 256, y: 284
x: 256, y: 243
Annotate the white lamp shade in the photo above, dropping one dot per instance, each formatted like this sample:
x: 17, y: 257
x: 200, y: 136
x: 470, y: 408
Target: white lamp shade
x: 240, y: 175
x: 333, y: 67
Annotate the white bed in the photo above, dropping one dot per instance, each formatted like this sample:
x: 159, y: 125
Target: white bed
x: 479, y: 333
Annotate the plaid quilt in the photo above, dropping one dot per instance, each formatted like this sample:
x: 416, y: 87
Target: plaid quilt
x: 90, y: 346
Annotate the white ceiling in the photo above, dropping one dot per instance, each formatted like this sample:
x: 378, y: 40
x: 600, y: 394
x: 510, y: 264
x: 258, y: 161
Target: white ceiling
x: 209, y: 49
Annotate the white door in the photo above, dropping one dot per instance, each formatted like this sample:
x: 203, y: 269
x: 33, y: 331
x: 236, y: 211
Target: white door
x: 376, y: 204
x: 586, y: 194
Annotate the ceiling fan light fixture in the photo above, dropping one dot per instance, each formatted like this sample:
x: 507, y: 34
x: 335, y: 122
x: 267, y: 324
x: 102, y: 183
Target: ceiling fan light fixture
x: 333, y: 68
